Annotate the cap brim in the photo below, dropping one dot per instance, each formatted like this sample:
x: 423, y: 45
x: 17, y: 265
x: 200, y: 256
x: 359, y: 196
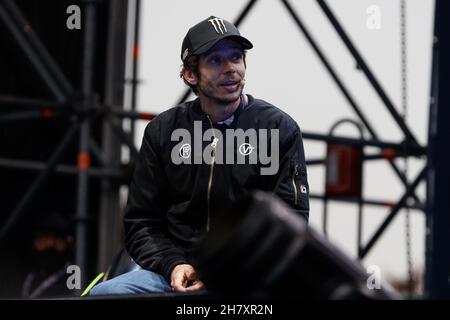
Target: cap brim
x: 244, y: 42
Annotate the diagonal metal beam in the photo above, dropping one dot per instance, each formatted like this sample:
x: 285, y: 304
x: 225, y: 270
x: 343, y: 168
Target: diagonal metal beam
x: 124, y: 136
x: 237, y: 22
x: 33, y: 40
x: 31, y: 54
x: 400, y: 204
x: 244, y: 13
x: 329, y: 68
x: 365, y: 68
x: 38, y: 182
x: 97, y: 152
x: 342, y: 87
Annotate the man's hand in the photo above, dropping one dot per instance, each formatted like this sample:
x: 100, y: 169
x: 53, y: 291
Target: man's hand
x: 184, y: 279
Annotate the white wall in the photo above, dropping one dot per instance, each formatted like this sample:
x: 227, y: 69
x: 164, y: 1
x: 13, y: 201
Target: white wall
x: 283, y: 69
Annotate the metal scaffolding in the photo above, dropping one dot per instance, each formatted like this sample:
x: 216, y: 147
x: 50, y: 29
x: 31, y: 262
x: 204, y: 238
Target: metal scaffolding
x: 83, y: 107
x: 409, y: 147
x: 388, y: 150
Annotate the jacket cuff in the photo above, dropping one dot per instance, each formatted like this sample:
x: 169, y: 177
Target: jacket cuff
x: 169, y: 263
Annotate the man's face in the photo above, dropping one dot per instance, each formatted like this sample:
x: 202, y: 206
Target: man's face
x: 221, y: 70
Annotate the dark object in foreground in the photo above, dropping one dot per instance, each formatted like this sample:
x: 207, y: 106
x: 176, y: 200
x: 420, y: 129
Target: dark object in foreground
x: 259, y: 248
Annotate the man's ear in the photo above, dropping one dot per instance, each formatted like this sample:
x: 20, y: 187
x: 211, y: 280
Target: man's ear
x: 189, y: 76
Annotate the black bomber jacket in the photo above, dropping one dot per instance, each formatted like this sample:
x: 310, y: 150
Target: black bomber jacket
x: 171, y: 204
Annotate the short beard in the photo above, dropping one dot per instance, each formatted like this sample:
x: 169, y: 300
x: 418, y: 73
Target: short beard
x: 221, y: 101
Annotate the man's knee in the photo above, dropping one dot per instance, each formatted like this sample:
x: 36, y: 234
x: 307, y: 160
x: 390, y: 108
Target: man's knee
x: 110, y: 288
x: 133, y: 282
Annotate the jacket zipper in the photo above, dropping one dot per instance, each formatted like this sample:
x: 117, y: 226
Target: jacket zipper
x: 294, y: 185
x: 211, y: 173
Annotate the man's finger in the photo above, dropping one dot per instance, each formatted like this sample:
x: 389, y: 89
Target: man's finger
x: 178, y: 280
x: 195, y: 287
x: 178, y: 286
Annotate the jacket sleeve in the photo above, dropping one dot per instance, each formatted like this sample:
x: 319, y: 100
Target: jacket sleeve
x: 292, y: 179
x: 147, y: 239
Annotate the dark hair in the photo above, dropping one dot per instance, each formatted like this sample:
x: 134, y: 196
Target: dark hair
x: 191, y: 64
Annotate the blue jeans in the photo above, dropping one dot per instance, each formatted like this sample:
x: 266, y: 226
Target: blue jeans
x: 133, y: 282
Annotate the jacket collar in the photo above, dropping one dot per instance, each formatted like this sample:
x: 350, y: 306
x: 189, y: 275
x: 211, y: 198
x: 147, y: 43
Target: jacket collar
x: 197, y: 109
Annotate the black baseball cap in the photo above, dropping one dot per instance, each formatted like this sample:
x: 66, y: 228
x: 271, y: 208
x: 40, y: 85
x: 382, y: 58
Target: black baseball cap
x: 205, y: 34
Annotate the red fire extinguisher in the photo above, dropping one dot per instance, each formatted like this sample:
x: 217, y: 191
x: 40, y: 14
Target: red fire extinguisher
x: 343, y: 170
x: 343, y: 177
x: 344, y: 166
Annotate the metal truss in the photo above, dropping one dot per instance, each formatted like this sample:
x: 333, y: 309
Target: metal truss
x: 388, y: 150
x: 82, y: 107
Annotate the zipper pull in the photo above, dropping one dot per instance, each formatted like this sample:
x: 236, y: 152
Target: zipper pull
x: 214, y: 143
